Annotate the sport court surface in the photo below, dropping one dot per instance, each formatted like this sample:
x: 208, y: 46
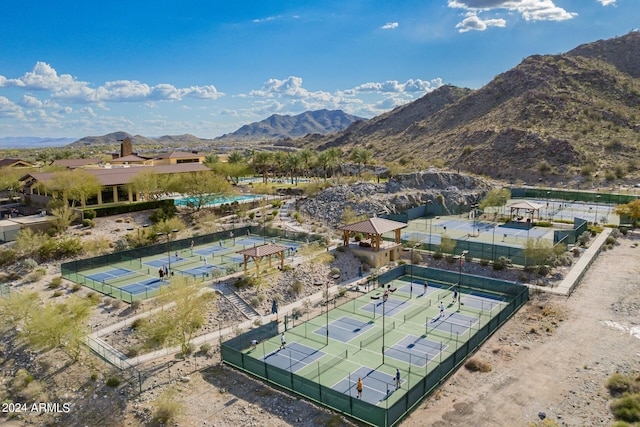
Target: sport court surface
x: 139, y: 278
x: 416, y: 338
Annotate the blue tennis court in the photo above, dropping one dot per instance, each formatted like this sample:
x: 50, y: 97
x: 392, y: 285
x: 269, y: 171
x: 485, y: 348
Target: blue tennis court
x: 391, y: 308
x: 377, y: 385
x: 415, y: 350
x: 157, y: 263
x: 345, y: 328
x: 114, y: 273
x: 416, y: 287
x: 250, y: 241
x: 210, y: 250
x: 143, y: 286
x: 293, y: 357
x: 453, y: 323
x: 200, y: 270
x: 418, y: 236
x: 482, y: 301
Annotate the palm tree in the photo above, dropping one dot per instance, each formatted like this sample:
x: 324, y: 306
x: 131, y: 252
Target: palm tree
x: 360, y: 156
x: 262, y: 161
x: 235, y: 157
x: 334, y: 157
x: 306, y: 156
x: 293, y: 163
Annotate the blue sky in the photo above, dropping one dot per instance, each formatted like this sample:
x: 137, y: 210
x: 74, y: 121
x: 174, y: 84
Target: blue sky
x: 205, y: 67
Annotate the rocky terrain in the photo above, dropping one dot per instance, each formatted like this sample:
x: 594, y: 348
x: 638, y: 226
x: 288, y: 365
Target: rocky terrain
x: 400, y: 193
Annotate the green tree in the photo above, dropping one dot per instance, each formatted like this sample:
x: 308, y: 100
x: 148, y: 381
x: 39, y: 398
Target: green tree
x: 179, y: 323
x: 447, y: 244
x: 306, y: 157
x: 630, y: 210
x: 10, y: 180
x: 48, y: 326
x: 362, y: 157
x: 495, y: 198
x: 262, y: 162
x: 537, y: 251
x: 293, y: 163
x: 149, y: 184
x: 349, y: 216
x: 203, y: 187
x: 73, y: 186
x: 236, y: 157
x: 234, y: 171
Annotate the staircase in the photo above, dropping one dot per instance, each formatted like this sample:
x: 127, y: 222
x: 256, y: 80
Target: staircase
x: 244, y: 308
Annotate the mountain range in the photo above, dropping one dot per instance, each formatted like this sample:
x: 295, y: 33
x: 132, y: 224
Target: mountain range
x: 572, y: 116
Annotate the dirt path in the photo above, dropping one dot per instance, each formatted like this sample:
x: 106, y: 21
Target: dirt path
x: 554, y: 356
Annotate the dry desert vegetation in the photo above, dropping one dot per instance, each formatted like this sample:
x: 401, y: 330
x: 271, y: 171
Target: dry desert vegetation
x: 553, y: 357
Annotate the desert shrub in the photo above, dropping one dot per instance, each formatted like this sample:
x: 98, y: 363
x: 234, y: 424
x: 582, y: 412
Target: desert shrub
x: 478, y: 365
x: 35, y: 276
x: 76, y: 287
x: 55, y: 283
x: 450, y: 259
x: 437, y: 255
x: 205, y: 348
x: 416, y: 258
x: 246, y: 282
x: 334, y: 271
x: 135, y: 305
x: 254, y: 301
x: 137, y: 323
x: 163, y: 214
x: 618, y: 384
x: 584, y: 238
x: 113, y: 382
x: 342, y: 291
x: 88, y: 223
x: 167, y: 407
x: 116, y: 303
x: 189, y: 348
x: 624, y: 231
x: 94, y: 298
x: 8, y: 256
x: 484, y: 262
x: 57, y: 293
x: 340, y: 249
x: 627, y: 408
x: 29, y: 264
x: 501, y: 263
x: 132, y: 351
x: 543, y: 270
x: 610, y: 240
x: 89, y: 214
x: 297, y: 287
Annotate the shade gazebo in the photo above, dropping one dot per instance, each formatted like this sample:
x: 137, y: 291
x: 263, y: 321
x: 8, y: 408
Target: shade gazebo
x: 531, y: 211
x: 257, y: 253
x: 373, y: 229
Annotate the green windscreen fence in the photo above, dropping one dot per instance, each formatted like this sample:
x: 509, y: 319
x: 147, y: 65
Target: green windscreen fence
x: 382, y: 414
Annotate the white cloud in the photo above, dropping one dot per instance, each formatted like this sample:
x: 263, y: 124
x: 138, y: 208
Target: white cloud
x: 10, y: 110
x: 473, y: 22
x: 393, y: 86
x: 607, y: 2
x: 267, y: 19
x: 31, y: 102
x: 390, y: 26
x: 65, y: 87
x: 291, y: 87
x: 531, y: 10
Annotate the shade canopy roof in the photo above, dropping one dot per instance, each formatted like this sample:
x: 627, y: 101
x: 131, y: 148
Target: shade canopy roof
x: 374, y: 226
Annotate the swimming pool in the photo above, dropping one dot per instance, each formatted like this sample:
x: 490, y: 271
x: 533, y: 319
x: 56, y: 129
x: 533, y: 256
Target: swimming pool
x: 187, y: 201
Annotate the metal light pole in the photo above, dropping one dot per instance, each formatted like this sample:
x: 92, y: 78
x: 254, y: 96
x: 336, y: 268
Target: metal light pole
x: 384, y: 300
x: 460, y: 275
x: 327, y: 313
x: 596, y: 221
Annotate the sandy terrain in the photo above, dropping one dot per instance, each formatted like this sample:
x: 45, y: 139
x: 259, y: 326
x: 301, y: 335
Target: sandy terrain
x: 554, y: 356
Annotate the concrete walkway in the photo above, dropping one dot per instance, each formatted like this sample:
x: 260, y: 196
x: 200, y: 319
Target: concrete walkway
x: 572, y: 279
x: 118, y: 359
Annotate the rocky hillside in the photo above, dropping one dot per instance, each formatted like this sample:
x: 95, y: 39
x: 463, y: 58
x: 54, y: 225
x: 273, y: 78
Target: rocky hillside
x: 282, y: 127
x: 400, y: 193
x: 113, y: 140
x: 552, y: 117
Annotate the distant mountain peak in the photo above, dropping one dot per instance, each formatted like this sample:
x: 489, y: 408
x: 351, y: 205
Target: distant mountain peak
x: 279, y: 126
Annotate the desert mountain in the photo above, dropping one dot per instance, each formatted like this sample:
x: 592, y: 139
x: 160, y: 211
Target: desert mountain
x: 555, y: 117
x: 113, y: 139
x: 278, y: 126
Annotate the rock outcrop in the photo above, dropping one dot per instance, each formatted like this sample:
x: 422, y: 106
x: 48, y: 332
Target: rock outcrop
x: 400, y: 193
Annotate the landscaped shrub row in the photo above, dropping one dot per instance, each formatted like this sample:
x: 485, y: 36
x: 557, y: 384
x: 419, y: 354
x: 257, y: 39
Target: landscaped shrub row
x: 126, y: 208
